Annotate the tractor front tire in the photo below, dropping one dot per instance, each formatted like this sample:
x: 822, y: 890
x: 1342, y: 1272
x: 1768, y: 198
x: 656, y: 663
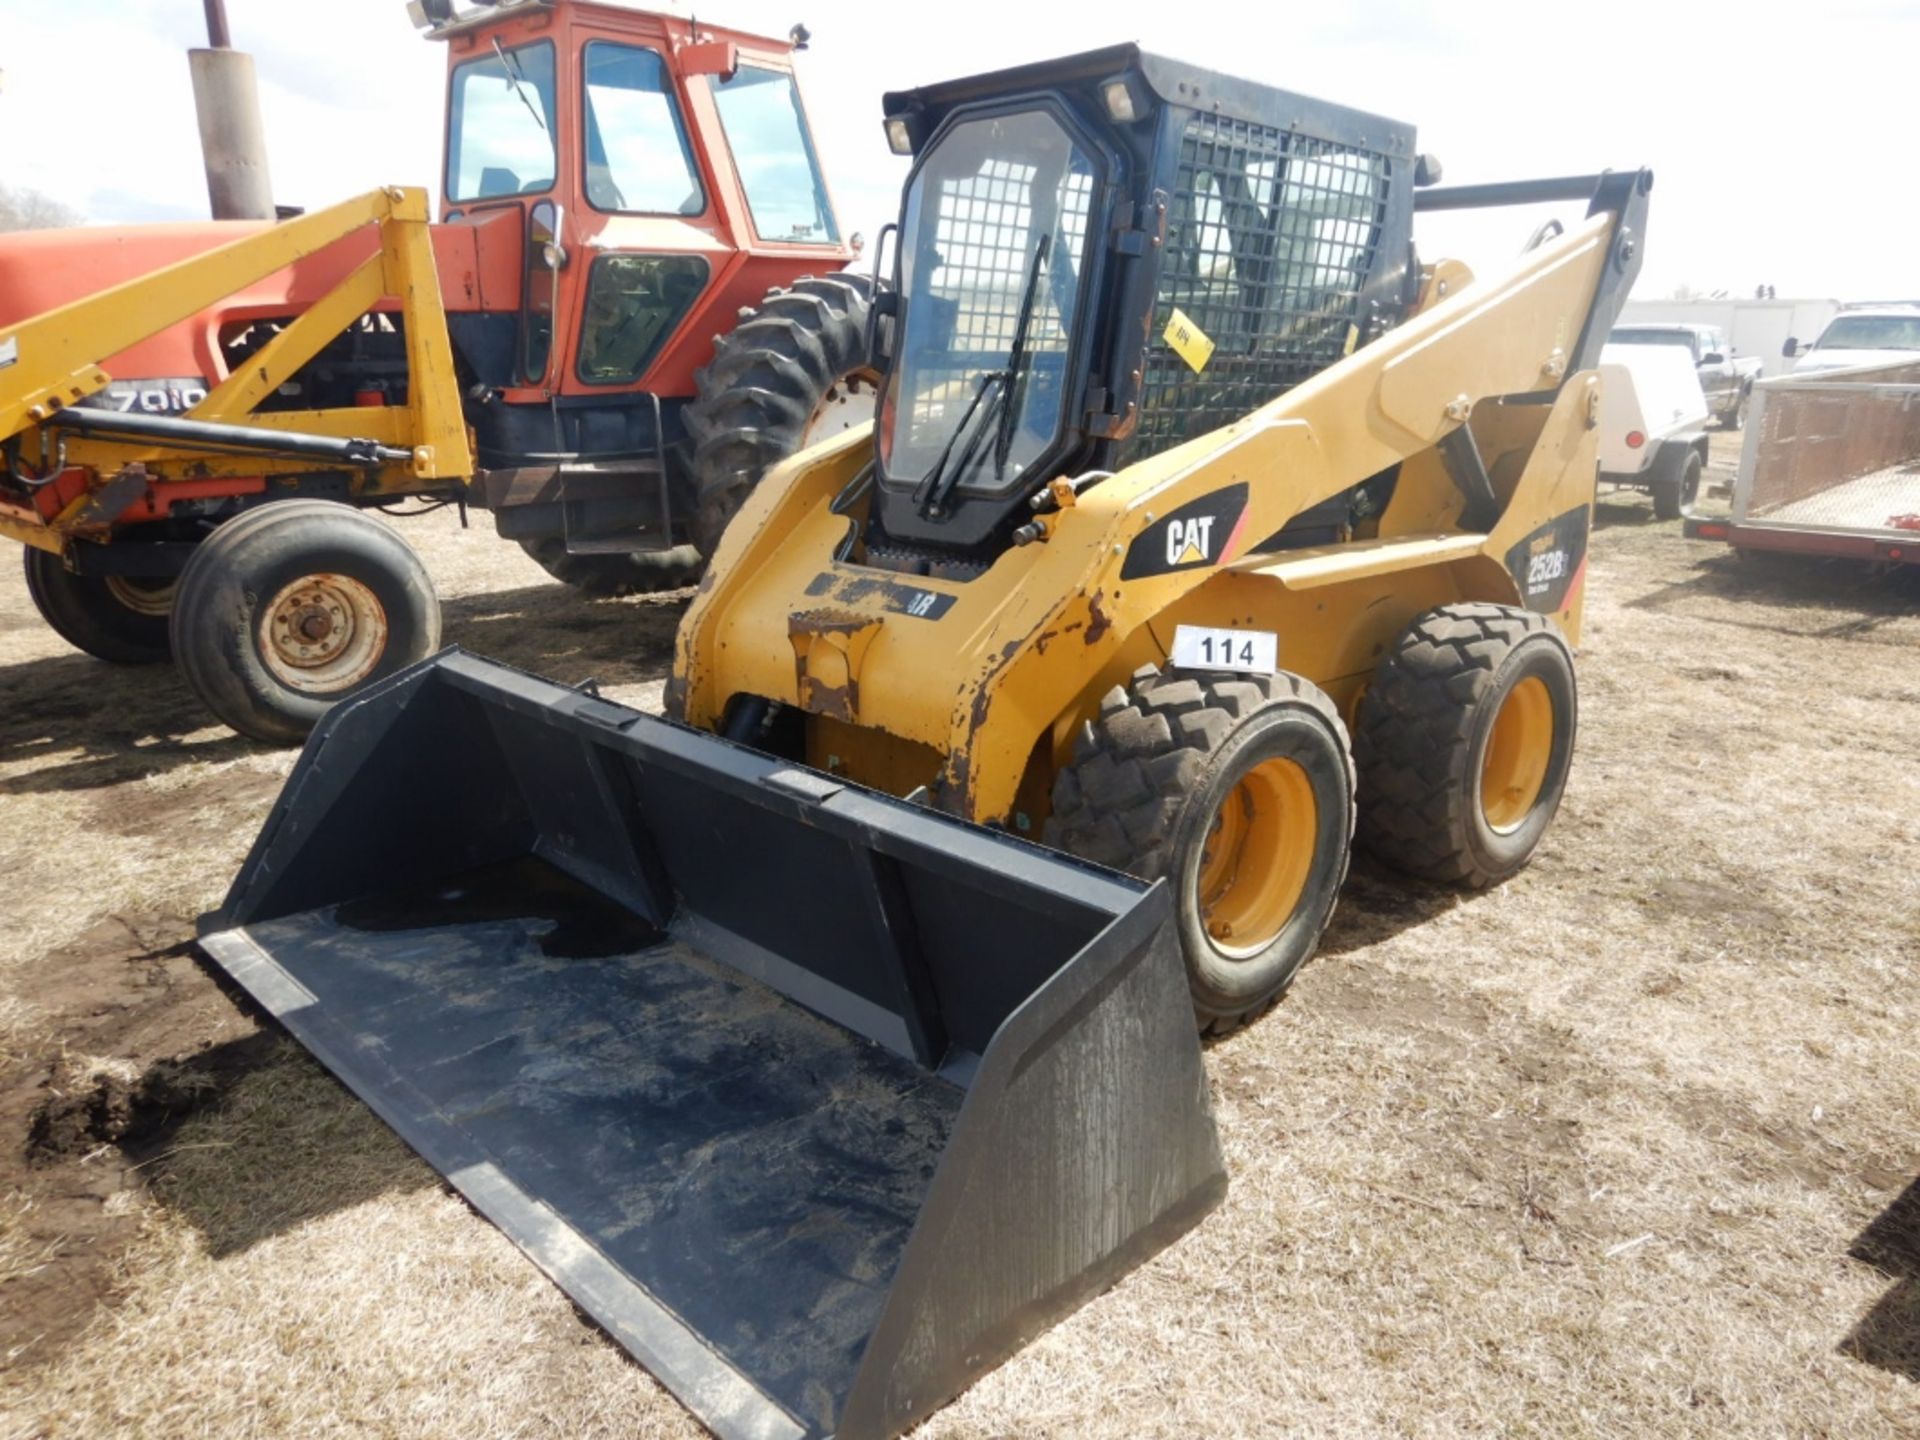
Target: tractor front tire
x: 122, y: 619
x: 640, y: 572
x: 1464, y: 742
x: 794, y: 371
x: 294, y: 606
x: 1238, y: 790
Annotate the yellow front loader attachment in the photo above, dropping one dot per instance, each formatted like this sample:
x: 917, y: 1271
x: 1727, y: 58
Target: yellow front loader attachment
x: 284, y: 607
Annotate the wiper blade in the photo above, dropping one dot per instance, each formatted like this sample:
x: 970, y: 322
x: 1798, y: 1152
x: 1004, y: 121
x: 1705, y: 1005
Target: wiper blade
x: 1015, y: 387
x: 516, y: 77
x: 933, y: 490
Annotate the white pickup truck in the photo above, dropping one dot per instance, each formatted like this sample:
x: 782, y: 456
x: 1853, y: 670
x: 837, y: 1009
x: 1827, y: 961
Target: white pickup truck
x: 1653, y: 418
x: 1860, y: 335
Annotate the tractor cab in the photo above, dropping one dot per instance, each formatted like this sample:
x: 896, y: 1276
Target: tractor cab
x: 635, y: 181
x: 1102, y: 256
x: 648, y: 166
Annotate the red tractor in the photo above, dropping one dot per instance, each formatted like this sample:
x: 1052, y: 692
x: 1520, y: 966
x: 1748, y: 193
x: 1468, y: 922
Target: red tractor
x: 642, y: 279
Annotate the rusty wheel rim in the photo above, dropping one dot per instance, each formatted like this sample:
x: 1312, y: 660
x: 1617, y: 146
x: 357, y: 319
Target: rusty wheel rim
x: 323, y: 633
x: 848, y: 403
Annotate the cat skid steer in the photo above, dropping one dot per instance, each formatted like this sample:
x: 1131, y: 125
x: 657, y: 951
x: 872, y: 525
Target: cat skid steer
x: 824, y: 1102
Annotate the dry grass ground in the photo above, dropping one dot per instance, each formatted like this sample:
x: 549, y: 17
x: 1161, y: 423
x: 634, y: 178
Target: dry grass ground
x: 1626, y: 1147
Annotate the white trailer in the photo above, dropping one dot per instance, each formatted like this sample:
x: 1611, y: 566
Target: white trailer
x: 1653, y: 418
x: 1755, y: 327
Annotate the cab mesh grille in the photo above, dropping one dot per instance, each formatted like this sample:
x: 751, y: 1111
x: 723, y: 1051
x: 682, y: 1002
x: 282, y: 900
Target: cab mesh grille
x: 1271, y: 237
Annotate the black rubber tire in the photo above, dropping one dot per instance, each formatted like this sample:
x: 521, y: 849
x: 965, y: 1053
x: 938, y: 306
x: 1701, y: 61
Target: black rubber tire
x: 753, y: 403
x: 641, y: 572
x: 1149, y: 774
x: 82, y: 610
x: 244, y: 565
x: 1422, y: 738
x: 1671, y: 501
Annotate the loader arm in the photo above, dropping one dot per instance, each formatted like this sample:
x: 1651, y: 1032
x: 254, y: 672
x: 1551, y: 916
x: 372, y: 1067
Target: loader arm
x: 1486, y: 399
x: 71, y: 464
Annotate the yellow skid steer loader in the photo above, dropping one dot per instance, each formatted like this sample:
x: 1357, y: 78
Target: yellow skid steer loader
x: 824, y: 1101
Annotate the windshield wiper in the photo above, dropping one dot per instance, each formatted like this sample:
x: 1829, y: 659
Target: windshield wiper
x: 1001, y: 411
x: 939, y: 483
x: 516, y: 78
x: 1017, y: 361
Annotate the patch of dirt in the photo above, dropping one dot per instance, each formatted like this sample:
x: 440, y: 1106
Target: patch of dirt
x: 139, y: 1038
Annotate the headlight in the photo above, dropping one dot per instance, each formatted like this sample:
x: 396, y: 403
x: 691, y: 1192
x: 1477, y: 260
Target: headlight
x: 1119, y: 97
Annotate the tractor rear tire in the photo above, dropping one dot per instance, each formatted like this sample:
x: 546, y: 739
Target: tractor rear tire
x: 1239, y: 790
x: 1464, y: 742
x: 790, y: 374
x: 640, y: 572
x: 294, y: 606
x: 122, y: 619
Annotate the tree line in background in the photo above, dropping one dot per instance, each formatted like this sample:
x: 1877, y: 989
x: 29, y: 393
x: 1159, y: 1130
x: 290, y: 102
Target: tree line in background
x: 24, y: 209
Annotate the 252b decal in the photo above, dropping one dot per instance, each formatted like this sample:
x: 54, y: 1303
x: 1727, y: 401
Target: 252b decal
x: 1547, y: 564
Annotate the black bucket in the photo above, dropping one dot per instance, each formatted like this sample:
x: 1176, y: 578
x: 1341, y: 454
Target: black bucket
x: 821, y: 1103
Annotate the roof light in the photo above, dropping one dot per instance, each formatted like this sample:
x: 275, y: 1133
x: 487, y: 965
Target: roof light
x: 1119, y: 97
x: 899, y: 135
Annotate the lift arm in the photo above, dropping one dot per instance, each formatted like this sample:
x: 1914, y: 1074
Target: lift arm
x: 54, y: 361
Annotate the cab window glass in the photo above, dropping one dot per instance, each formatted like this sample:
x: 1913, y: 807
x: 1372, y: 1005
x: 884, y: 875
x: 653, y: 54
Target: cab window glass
x: 500, y: 129
x: 767, y: 135
x: 638, y: 158
x: 634, y: 302
x: 543, y: 230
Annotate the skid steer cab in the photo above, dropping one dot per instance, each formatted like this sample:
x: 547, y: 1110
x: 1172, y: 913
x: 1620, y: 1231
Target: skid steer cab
x: 634, y: 302
x: 1202, y: 525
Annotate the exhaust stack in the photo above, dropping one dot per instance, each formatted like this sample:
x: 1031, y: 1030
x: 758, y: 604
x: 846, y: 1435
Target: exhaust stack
x: 233, y: 140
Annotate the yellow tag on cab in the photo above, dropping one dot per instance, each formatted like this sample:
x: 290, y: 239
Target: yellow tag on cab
x: 1188, y: 340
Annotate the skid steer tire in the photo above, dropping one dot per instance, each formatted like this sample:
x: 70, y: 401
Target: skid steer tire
x: 794, y: 371
x: 1186, y: 775
x: 123, y: 620
x: 1464, y: 741
x: 640, y: 572
x: 294, y: 606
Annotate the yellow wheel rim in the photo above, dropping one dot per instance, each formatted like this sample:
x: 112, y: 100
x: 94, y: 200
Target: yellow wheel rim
x: 1256, y: 858
x: 1518, y: 752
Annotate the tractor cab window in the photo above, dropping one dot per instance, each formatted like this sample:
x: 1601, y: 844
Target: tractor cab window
x: 991, y: 246
x: 634, y: 302
x: 500, y: 129
x: 767, y: 134
x: 638, y: 158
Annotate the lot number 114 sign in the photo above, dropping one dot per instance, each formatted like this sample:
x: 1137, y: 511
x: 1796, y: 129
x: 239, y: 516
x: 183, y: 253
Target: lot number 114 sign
x: 1198, y: 647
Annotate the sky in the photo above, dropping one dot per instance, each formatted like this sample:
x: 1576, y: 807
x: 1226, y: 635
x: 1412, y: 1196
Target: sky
x: 1781, y: 136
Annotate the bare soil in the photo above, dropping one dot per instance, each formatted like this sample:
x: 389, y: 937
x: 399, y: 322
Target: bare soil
x: 1626, y: 1146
